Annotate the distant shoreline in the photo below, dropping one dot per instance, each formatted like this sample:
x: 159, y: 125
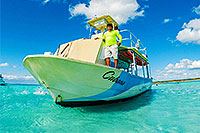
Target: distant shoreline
x: 174, y: 81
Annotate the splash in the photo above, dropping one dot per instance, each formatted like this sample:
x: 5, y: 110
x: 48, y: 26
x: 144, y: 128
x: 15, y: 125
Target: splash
x: 24, y: 92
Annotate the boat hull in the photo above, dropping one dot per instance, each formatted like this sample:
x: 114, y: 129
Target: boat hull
x: 77, y: 83
x: 96, y: 102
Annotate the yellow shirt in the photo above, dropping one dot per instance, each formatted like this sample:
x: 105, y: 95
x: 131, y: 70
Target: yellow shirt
x: 110, y: 37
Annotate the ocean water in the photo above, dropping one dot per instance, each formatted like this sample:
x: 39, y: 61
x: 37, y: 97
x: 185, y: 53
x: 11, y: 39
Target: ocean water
x: 166, y: 108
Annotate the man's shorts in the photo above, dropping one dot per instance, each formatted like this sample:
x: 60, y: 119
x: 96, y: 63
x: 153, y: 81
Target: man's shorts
x: 111, y: 51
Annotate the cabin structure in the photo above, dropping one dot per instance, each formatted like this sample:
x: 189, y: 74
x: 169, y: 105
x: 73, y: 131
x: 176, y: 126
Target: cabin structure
x: 130, y: 59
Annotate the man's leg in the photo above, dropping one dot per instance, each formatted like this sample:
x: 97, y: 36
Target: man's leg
x: 108, y: 61
x: 115, y: 60
x: 115, y: 54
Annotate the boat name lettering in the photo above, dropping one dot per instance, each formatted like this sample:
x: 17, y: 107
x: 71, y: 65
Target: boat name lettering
x: 110, y: 76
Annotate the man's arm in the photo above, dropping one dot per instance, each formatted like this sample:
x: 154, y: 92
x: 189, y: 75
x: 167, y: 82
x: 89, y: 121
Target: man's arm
x: 104, y: 37
x: 120, y: 38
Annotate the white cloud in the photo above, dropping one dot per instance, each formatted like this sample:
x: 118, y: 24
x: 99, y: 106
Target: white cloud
x: 167, y: 20
x: 45, y: 2
x: 14, y: 66
x: 16, y: 77
x: 169, y: 66
x: 195, y: 23
x: 121, y: 10
x: 196, y: 10
x: 183, y: 69
x: 4, y: 64
x: 184, y: 63
x: 195, y: 65
x: 173, y: 71
x: 190, y: 33
x: 179, y: 65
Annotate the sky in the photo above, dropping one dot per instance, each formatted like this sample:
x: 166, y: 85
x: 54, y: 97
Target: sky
x: 170, y: 30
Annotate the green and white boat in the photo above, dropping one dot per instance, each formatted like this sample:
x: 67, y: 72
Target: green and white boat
x: 76, y: 75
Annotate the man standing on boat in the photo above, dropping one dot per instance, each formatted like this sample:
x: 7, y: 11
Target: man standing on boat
x: 111, y: 44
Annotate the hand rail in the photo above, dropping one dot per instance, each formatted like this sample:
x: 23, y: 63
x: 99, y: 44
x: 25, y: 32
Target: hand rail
x: 132, y: 41
x: 131, y: 34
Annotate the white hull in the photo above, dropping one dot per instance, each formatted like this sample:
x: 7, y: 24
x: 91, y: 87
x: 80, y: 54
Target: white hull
x: 71, y: 81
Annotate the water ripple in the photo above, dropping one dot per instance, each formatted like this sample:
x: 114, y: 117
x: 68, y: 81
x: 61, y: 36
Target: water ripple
x: 166, y: 108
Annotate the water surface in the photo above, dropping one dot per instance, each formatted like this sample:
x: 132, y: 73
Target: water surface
x: 167, y: 108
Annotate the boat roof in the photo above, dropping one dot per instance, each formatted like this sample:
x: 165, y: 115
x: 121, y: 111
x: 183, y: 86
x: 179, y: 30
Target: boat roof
x: 124, y: 48
x: 100, y: 23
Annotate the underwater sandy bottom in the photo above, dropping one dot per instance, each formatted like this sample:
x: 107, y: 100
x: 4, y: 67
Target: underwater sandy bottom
x: 166, y: 108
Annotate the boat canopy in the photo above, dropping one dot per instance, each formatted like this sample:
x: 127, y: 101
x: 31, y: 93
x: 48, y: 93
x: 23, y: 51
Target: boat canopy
x: 100, y: 23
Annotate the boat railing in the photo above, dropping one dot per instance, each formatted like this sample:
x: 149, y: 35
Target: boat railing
x: 134, y: 68
x: 131, y: 38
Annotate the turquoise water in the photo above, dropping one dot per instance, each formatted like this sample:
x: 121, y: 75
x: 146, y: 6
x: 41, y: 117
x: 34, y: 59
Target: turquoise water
x: 166, y: 108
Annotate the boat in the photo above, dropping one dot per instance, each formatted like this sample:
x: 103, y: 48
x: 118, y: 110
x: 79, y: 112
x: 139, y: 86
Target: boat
x: 76, y: 74
x: 2, y: 82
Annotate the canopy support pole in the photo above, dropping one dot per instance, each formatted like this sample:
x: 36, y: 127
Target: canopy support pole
x: 135, y: 64
x: 147, y: 69
x: 90, y: 32
x: 143, y: 67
